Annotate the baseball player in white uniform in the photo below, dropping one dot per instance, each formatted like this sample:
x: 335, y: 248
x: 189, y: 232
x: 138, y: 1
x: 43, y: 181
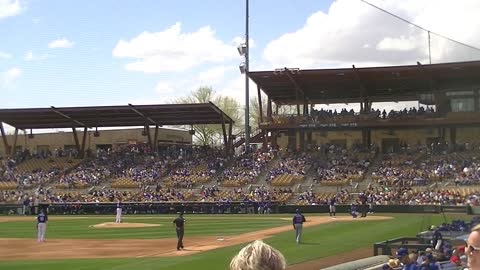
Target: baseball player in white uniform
x: 118, y: 218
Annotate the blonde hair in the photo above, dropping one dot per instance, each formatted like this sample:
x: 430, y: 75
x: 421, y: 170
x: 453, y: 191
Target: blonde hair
x: 258, y: 256
x: 476, y: 228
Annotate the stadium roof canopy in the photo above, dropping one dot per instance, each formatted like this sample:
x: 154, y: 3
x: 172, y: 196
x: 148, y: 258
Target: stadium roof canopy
x: 115, y: 116
x: 393, y: 83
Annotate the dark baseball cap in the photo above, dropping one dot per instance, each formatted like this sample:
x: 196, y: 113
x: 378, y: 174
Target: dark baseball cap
x: 402, y: 252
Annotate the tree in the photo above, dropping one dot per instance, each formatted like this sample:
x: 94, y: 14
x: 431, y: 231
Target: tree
x: 213, y: 134
x: 255, y: 112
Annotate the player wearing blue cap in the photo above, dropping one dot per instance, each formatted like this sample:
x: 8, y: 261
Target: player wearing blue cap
x: 298, y: 220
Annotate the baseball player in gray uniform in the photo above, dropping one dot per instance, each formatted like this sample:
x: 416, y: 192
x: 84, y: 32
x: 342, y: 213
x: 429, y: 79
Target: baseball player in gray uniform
x: 298, y: 220
x: 42, y: 220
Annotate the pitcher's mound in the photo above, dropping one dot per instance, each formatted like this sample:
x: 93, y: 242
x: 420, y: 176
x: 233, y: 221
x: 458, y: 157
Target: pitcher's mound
x: 109, y: 225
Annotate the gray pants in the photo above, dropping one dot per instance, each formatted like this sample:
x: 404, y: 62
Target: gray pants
x: 180, y: 232
x: 298, y: 232
x: 118, y: 218
x: 41, y: 229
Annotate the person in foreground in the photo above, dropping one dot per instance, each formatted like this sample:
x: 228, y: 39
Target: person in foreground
x: 473, y: 249
x: 258, y: 256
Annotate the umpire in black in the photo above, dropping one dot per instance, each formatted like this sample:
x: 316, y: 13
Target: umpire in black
x: 179, y: 224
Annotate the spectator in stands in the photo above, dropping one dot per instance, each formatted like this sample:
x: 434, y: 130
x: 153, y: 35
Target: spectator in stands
x: 437, y: 239
x: 457, y: 257
x: 429, y: 263
x: 256, y: 256
x: 407, y: 263
x: 391, y: 264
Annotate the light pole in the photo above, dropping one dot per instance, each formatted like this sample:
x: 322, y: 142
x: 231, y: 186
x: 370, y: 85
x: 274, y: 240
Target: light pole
x: 243, y: 49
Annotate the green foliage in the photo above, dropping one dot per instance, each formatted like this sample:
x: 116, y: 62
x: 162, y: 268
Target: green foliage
x: 213, y: 134
x: 255, y: 111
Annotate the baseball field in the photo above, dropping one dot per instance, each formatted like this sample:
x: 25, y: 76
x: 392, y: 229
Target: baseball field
x: 149, y: 242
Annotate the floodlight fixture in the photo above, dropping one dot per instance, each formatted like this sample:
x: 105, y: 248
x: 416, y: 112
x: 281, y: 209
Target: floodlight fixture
x: 242, y: 49
x: 242, y: 68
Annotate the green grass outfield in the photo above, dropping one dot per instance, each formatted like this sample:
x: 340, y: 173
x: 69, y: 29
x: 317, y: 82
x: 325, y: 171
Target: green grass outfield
x: 319, y: 241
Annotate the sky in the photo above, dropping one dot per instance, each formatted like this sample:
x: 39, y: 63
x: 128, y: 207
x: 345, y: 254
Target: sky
x: 114, y: 52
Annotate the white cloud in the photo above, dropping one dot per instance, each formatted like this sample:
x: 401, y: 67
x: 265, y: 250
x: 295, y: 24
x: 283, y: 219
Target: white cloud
x: 174, y: 51
x: 213, y: 75
x: 397, y: 44
x: 352, y: 32
x: 9, y: 8
x: 164, y: 88
x: 29, y: 56
x: 4, y: 55
x: 61, y: 43
x: 9, y: 76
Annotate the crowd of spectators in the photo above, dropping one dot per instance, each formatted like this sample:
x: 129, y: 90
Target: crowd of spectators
x: 417, y: 166
x: 396, y: 176
x: 296, y: 164
x: 349, y: 115
x: 247, y: 167
x: 197, y: 165
x: 341, y: 166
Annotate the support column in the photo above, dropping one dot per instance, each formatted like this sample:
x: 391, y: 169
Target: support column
x: 302, y: 139
x: 365, y: 137
x: 269, y: 109
x: 5, y: 141
x: 265, y: 139
x: 149, y: 136
x: 309, y: 136
x: 297, y: 140
x: 15, y: 137
x: 365, y: 106
x: 230, y: 140
x: 453, y: 138
x: 84, y: 139
x: 155, y: 140
x: 442, y: 134
x: 260, y: 107
x: 274, y: 138
x: 369, y: 138
x: 225, y: 139
x: 75, y: 138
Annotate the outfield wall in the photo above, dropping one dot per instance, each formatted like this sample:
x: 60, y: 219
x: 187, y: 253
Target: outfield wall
x: 380, y: 209
x: 218, y: 208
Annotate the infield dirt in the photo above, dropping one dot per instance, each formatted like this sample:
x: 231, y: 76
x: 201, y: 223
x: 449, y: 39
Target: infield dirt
x: 29, y: 249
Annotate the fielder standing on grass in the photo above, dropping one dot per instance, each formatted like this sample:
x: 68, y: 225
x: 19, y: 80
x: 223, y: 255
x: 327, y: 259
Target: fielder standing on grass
x: 42, y: 220
x: 179, y: 224
x: 298, y: 220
